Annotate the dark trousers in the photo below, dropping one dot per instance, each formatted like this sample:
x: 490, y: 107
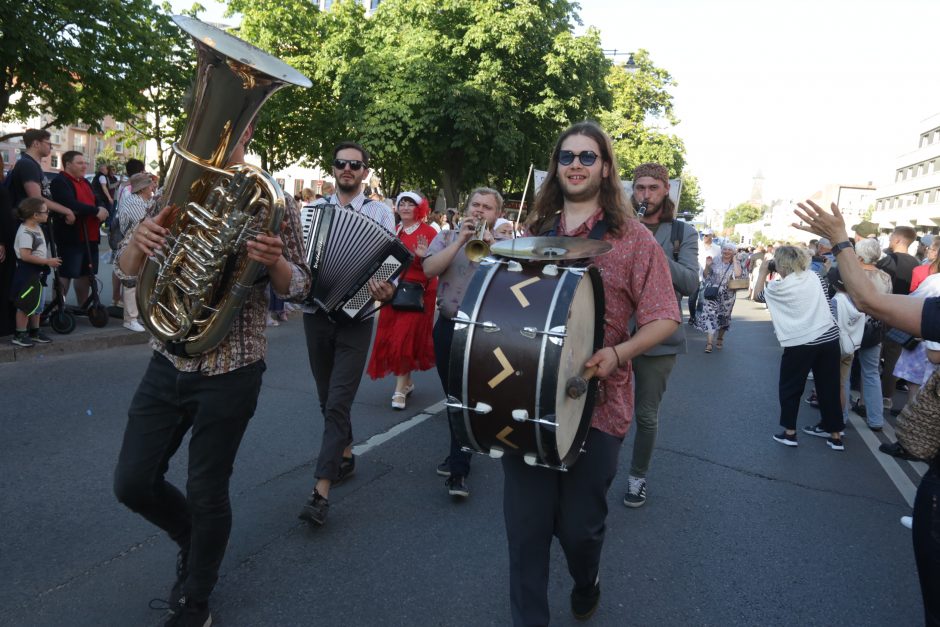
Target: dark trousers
x: 337, y: 352
x: 926, y: 535
x: 795, y: 365
x: 458, y: 459
x: 890, y: 352
x: 693, y: 302
x: 539, y: 503
x: 166, y: 405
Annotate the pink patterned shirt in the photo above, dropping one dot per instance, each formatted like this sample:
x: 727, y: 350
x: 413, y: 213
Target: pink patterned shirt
x: 637, y: 283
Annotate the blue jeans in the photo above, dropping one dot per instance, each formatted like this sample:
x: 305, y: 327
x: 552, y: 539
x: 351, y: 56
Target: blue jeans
x: 868, y: 359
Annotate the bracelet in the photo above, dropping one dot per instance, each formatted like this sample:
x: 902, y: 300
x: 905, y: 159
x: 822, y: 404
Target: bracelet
x: 617, y: 355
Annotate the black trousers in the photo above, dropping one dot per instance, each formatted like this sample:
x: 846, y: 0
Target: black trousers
x: 926, y: 536
x: 167, y: 404
x: 337, y: 353
x: 539, y: 503
x: 795, y: 365
x: 458, y: 459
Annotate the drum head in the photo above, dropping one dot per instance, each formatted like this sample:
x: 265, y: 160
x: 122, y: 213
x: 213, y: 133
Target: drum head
x: 578, y: 348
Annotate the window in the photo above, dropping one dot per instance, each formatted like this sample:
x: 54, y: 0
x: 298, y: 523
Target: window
x: 78, y: 143
x: 933, y: 195
x: 298, y: 186
x: 119, y: 148
x: 119, y: 126
x: 54, y: 162
x: 99, y: 145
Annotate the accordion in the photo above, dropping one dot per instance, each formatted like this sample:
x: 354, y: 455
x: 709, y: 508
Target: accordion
x: 345, y: 249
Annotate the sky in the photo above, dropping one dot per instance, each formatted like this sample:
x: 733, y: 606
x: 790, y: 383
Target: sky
x: 805, y: 92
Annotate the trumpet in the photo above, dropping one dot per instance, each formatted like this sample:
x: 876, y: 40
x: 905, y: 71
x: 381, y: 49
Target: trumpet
x: 476, y: 249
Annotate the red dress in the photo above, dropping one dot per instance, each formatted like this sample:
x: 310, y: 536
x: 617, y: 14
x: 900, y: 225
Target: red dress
x: 403, y: 340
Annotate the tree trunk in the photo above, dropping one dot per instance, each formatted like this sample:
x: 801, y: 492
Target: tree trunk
x: 452, y: 176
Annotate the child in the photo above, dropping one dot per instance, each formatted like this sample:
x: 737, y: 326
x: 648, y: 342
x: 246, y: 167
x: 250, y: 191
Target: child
x: 30, y: 247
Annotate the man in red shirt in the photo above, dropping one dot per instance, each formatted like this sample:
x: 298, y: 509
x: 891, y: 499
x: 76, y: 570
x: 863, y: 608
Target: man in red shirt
x: 70, y: 189
x: 583, y: 184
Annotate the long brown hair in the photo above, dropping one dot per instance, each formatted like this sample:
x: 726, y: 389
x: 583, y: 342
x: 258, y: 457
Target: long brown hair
x: 550, y: 200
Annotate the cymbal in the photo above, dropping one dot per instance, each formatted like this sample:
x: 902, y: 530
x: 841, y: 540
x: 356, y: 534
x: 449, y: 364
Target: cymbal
x: 550, y: 248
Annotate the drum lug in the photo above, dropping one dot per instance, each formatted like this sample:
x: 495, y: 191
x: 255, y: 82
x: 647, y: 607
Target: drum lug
x: 496, y: 452
x: 522, y: 415
x: 555, y: 334
x: 514, y: 266
x: 532, y: 460
x: 480, y: 408
x: 461, y: 320
x: 550, y: 269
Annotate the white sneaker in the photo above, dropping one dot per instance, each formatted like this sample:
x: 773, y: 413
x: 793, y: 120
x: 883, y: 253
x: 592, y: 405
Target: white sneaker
x: 135, y: 326
x: 907, y: 521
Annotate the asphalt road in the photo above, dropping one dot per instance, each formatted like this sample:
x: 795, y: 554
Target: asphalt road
x: 738, y: 530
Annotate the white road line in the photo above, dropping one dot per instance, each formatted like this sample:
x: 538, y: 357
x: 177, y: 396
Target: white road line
x: 401, y: 427
x: 890, y: 464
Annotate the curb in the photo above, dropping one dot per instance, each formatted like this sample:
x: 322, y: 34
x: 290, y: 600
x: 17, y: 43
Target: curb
x: 76, y: 342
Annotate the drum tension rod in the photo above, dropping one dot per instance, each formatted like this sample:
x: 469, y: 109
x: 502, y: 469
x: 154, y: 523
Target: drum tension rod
x: 531, y: 332
x: 522, y: 415
x: 532, y: 460
x: 480, y: 408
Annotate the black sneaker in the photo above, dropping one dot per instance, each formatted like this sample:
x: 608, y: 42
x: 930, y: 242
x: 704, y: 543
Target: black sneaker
x: 21, y: 339
x: 189, y: 613
x: 636, y: 492
x: 901, y: 386
x: 315, y: 510
x: 786, y: 438
x: 836, y: 445
x: 818, y: 431
x: 347, y: 468
x: 894, y: 449
x: 443, y: 469
x: 859, y: 409
x: 457, y: 486
x: 182, y: 572
x: 812, y: 400
x: 38, y: 337
x: 584, y: 601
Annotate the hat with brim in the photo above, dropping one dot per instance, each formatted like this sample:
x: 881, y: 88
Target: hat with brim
x: 866, y: 229
x: 412, y: 196
x: 140, y: 181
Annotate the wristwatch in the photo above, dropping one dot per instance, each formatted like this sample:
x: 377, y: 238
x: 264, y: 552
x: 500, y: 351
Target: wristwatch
x: 838, y: 248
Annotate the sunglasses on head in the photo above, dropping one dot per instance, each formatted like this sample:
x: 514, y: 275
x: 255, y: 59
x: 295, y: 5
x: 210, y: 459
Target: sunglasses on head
x: 354, y: 164
x: 587, y: 157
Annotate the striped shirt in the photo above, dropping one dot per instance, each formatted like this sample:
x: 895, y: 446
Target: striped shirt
x: 131, y: 209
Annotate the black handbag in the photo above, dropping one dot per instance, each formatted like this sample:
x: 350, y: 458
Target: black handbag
x: 711, y: 291
x: 409, y: 296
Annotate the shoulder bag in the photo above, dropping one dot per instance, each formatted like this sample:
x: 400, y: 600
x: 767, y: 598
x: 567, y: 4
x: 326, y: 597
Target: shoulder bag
x: 711, y: 291
x: 918, y: 426
x: 409, y: 296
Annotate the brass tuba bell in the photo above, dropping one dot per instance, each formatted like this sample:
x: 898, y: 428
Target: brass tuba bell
x: 190, y: 294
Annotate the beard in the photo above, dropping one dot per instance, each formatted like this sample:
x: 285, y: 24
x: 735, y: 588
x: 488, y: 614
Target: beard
x: 589, y: 190
x: 347, y: 188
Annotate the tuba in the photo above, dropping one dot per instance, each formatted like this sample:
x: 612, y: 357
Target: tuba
x: 190, y: 293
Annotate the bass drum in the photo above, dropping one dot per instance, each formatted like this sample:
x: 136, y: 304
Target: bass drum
x: 523, y: 330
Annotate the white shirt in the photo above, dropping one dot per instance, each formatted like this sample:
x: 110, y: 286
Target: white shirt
x: 704, y: 251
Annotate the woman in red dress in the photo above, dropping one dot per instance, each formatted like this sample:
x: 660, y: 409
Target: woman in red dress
x: 403, y: 341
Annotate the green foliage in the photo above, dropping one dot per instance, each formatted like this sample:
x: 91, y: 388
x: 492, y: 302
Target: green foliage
x: 760, y: 239
x: 690, y: 197
x: 75, y: 60
x: 745, y: 213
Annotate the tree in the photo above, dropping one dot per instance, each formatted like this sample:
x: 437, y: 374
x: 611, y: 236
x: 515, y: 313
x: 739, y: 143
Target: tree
x: 640, y: 97
x: 72, y: 61
x: 745, y: 213
x: 170, y: 65
x: 690, y: 198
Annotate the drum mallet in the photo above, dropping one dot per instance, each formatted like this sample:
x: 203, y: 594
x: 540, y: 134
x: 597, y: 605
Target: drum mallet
x: 577, y: 386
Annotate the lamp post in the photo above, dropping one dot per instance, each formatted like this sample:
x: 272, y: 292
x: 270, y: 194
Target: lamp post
x: 630, y: 66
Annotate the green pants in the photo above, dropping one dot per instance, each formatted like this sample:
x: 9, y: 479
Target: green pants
x: 651, y: 374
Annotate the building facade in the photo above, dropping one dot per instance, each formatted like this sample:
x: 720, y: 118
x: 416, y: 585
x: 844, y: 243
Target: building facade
x: 108, y: 145
x: 913, y: 199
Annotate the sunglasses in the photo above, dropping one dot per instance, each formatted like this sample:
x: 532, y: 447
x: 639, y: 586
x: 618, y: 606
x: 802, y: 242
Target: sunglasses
x: 354, y: 165
x: 587, y: 158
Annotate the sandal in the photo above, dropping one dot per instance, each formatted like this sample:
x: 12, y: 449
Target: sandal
x: 708, y: 347
x: 399, y: 400
x: 718, y: 343
x: 408, y: 390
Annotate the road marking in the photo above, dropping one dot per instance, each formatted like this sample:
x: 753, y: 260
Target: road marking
x: 398, y: 429
x: 891, y: 465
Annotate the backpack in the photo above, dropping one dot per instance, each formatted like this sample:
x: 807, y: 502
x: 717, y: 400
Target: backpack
x: 874, y: 332
x: 676, y: 237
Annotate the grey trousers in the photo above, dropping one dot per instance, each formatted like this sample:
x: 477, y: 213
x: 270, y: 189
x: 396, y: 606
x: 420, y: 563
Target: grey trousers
x: 337, y: 353
x: 539, y: 503
x: 652, y: 374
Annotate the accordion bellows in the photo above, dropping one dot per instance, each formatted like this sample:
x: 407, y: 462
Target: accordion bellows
x: 346, y: 248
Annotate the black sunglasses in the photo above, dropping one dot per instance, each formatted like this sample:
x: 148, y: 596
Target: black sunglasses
x: 566, y: 157
x: 354, y: 165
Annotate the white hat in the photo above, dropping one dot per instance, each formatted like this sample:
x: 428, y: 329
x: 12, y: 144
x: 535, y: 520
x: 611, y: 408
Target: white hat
x: 410, y: 195
x: 707, y: 231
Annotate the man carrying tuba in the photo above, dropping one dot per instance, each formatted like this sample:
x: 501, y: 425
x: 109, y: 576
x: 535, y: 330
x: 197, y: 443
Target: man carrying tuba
x: 214, y: 394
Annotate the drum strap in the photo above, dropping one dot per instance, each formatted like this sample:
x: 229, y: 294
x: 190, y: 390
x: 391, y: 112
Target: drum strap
x: 597, y: 232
